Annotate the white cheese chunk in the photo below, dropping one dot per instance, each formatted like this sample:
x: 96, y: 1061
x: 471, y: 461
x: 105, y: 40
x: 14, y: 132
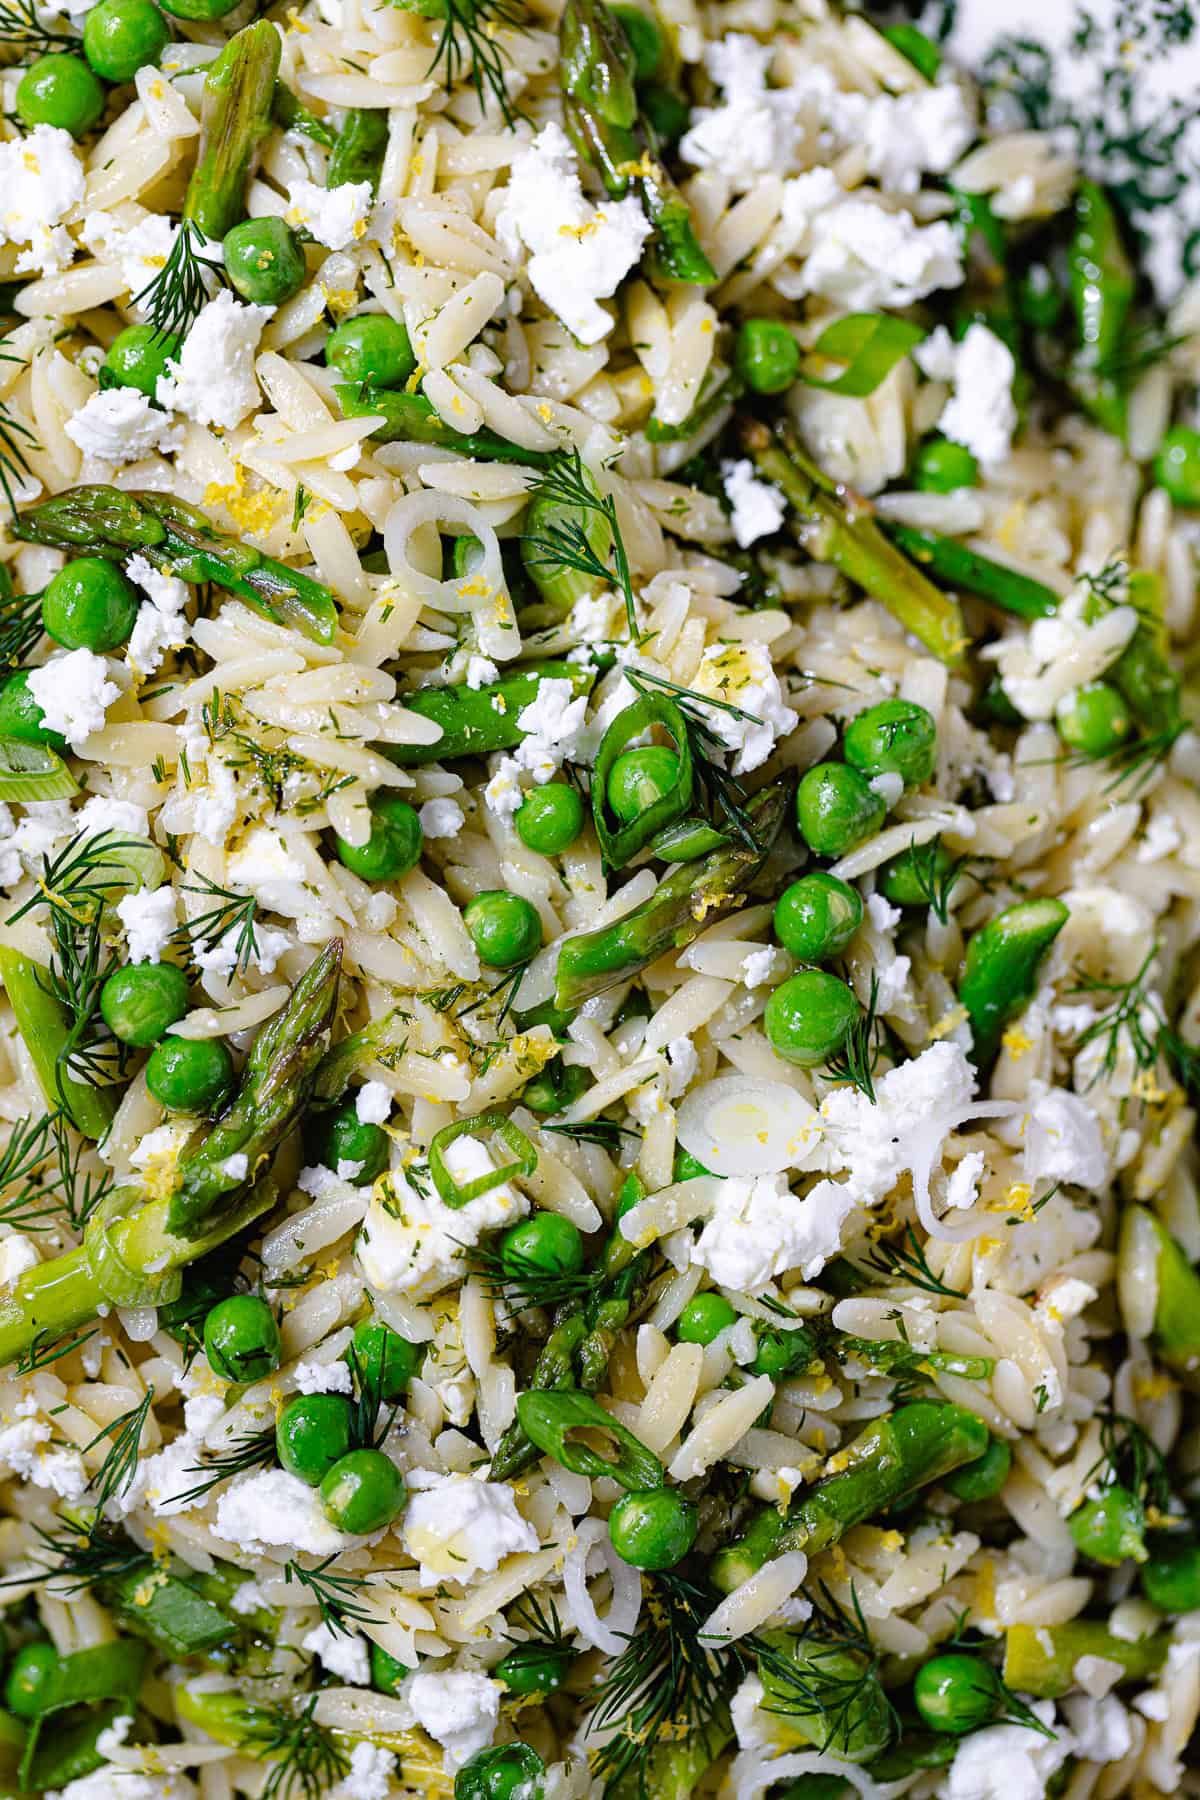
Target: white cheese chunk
x: 149, y: 919
x: 74, y: 692
x: 213, y: 380
x: 457, y: 1527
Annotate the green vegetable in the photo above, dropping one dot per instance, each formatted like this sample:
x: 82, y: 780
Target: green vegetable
x: 342, y: 1137
x: 808, y: 1017
x: 1170, y: 1574
x: 871, y: 344
x: 44, y: 1027
x: 60, y: 90
x: 1145, y: 1242
x: 836, y: 808
x: 766, y: 355
x: 959, y: 567
x: 22, y: 719
x: 896, y: 737
x: 908, y: 879
x: 549, y: 820
x: 686, y: 1168
x: 241, y: 1339
x: 122, y: 36
x: 190, y: 1075
x: 666, y: 111
x: 1111, y: 1529
x: 312, y: 1433
x: 782, y: 1351
x: 179, y: 540
x: 926, y: 58
x: 639, y: 779
x: 371, y: 348
x: 534, y: 1668
x: 555, y: 1087
x: 1039, y: 298
x: 504, y: 928
x: 71, y: 1695
x: 31, y: 1674
x: 827, y: 1692
x: 1177, y: 465
x: 155, y: 1602
x: 565, y: 528
x: 359, y: 150
x: 386, y: 1361
x: 546, y: 1242
x: 549, y: 1419
x: 705, y: 1317
x: 138, y: 357
x: 456, y: 1194
x: 509, y: 1772
x: 235, y: 118
x: 984, y: 1478
x: 476, y: 721
x: 645, y: 39
x: 644, y: 795
x: 387, y: 1672
x: 1093, y: 719
x: 1143, y: 671
x: 33, y: 772
x: 942, y: 467
x: 653, y: 1530
x: 816, y: 917
x: 394, y: 846
x: 1040, y: 1660
x: 140, y: 1004
x: 264, y: 261
x: 957, y: 1693
x: 363, y: 1492
x: 1102, y: 282
x: 89, y: 605
x: 411, y: 418
x: 1001, y: 967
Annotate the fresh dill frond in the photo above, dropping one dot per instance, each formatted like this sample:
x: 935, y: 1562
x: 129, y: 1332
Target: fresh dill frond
x: 22, y: 30
x: 81, y: 1189
x: 523, y: 1283
x: 252, y: 1450
x: 502, y: 993
x: 30, y: 1200
x: 1131, y: 1459
x: 907, y: 1263
x: 604, y: 1132
x: 230, y: 916
x: 308, y: 1759
x: 20, y: 617
x: 370, y: 1420
x: 1128, y: 1015
x: 567, y: 482
x: 1133, y: 764
x: 179, y: 292
x: 722, y: 795
x: 829, y: 1676
x: 15, y: 439
x: 936, y: 879
x: 80, y: 1558
x: 334, y: 1594
x: 467, y: 49
x: 124, y: 1435
x: 46, y: 1348
x: 541, y: 1623
x: 855, y: 1063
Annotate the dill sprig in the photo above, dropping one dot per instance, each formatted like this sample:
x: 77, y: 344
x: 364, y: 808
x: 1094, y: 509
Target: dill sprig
x: 81, y: 1190
x: 231, y: 915
x: 180, y: 290
x: 370, y: 1420
x: 308, y: 1759
x: 907, y: 1263
x: 46, y: 1349
x: 252, y: 1450
x: 334, y: 1594
x: 1133, y: 764
x: 124, y: 1435
x: 604, y: 1132
x: 20, y: 619
x: 830, y: 1677
x: 23, y: 1163
x: 1131, y: 1459
x: 723, y: 795
x: 15, y: 439
x: 935, y: 879
x: 568, y: 482
x: 855, y: 1063
x: 541, y: 1623
x: 467, y: 48
x: 22, y: 30
x: 83, y: 1557
x: 523, y: 1283
x: 1127, y: 1014
x: 503, y: 993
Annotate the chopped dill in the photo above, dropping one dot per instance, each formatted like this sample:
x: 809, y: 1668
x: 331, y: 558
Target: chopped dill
x: 467, y: 48
x: 907, y: 1263
x: 252, y: 1450
x: 124, y: 1435
x: 856, y: 1061
x: 231, y: 915
x: 178, y: 293
x: 334, y: 1594
x: 568, y: 483
x: 308, y: 1759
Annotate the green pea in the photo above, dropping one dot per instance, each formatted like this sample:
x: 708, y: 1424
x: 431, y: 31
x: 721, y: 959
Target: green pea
x: 341, y: 1136
x: 645, y: 39
x: 189, y: 1075
x: 504, y: 928
x: 546, y: 1242
x: 956, y: 1693
x: 241, y: 1339
x: 264, y: 261
x: 140, y: 1004
x: 1171, y: 1574
x: 704, y: 1318
x: 902, y: 880
x: 122, y: 36
x: 138, y: 357
x: 836, y: 809
x: 394, y: 846
x: 1177, y: 465
x: 666, y: 110
x: 29, y: 1676
x: 1039, y: 298
x: 372, y: 348
x: 766, y: 355
x: 312, y: 1432
x: 897, y: 737
x: 640, y: 778
x: 808, y: 1017
x: 534, y: 1668
x: 90, y: 605
x: 1112, y: 1528
x: 60, y: 90
x: 550, y: 819
x: 782, y: 1351
x: 387, y: 1672
x: 686, y: 1167
x: 198, y: 9
x: 22, y: 718
x: 386, y: 1361
x: 556, y: 1087
x: 1093, y: 719
x: 816, y: 917
x: 943, y: 466
x: 363, y: 1492
x: 508, y: 1772
x: 654, y: 1528
x: 983, y: 1478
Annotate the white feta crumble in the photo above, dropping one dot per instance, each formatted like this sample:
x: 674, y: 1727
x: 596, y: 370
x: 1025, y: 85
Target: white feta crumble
x: 119, y: 425
x: 753, y: 132
x: 223, y: 957
x: 343, y: 1653
x: 504, y: 793
x: 161, y: 624
x: 313, y: 1377
x: 480, y: 671
x: 261, y: 859
x: 103, y: 813
x: 74, y: 692
x: 962, y: 1189
x: 1041, y: 666
x: 864, y: 257
x: 336, y: 217
x: 370, y: 1774
x: 17, y: 1254
x: 742, y: 675
x: 1008, y: 1762
x: 761, y: 966
x: 760, y: 1229
x: 981, y: 413
x: 373, y: 1103
x: 441, y: 818
x: 882, y: 914
x: 275, y: 1508
x: 216, y: 802
x: 682, y: 1064
x: 1063, y: 1142
x: 459, y: 1709
x: 113, y: 1783
x: 141, y: 250
x: 41, y: 180
x: 149, y: 918
x: 458, y: 1527
x: 553, y: 723
x: 26, y: 1452
x: 415, y: 1244
x: 892, y: 983
x: 579, y: 253
x: 889, y: 786
x: 905, y: 136
x: 758, y: 507
x: 213, y: 379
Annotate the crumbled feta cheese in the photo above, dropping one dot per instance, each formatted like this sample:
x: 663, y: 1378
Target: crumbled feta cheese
x: 962, y: 1189
x: 1039, y: 667
x: 760, y: 1229
x: 141, y: 250
x: 441, y: 818
x: 580, y: 253
x: 905, y: 136
x: 741, y: 675
x: 371, y: 1769
x: 1008, y: 1762
x: 889, y: 786
x: 314, y: 1377
x: 480, y: 671
x: 373, y: 1103
x: 336, y: 217
x: 892, y: 983
x: 113, y: 1783
x: 41, y: 179
x: 103, y: 813
x: 864, y: 257
x: 682, y: 1064
x: 74, y: 692
x: 459, y: 1708
x: 552, y: 722
x: 261, y: 859
x: 273, y: 1508
x: 758, y: 507
x: 216, y: 802
x: 223, y: 957
x: 415, y: 1244
x: 504, y: 793
x: 753, y: 132
x: 981, y: 412
x: 761, y: 966
x: 343, y: 1653
x: 149, y: 919
x: 882, y: 914
x: 160, y: 624
x: 457, y: 1527
x: 1063, y: 1142
x: 16, y: 1255
x: 26, y: 1452
x: 212, y: 381
x: 119, y: 425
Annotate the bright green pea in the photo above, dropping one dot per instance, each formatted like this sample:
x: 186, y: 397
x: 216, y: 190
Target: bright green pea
x: 645, y: 39
x: 1112, y: 1528
x: 546, y: 1242
x: 394, y: 846
x: 1171, y: 1574
x: 943, y: 466
x: 138, y: 357
x: 1177, y: 465
x: 704, y: 1318
x: 29, y: 1675
x: 504, y: 928
x: 312, y: 1433
x: 90, y: 605
x: 507, y: 1772
x: 782, y: 1351
x: 241, y: 1339
x: 60, y: 90
x: 555, y: 1087
x: 983, y: 1478
x: 122, y: 36
x: 1093, y: 719
x: 141, y: 1003
x: 836, y: 809
x: 640, y: 778
x: 341, y: 1136
x: 191, y: 1075
x: 550, y: 819
x: 386, y: 1361
x: 387, y: 1672
x: 897, y: 737
x: 534, y: 1668
x: 22, y: 718
x: 808, y: 1017
x: 264, y: 261
x: 653, y: 1528
x: 816, y: 917
x: 198, y: 9
x: 766, y: 355
x: 363, y: 1492
x: 900, y: 880
x: 372, y: 347
x: 956, y: 1693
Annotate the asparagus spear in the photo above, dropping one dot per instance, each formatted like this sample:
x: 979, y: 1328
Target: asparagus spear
x: 290, y: 114
x: 1102, y: 282
x: 1001, y: 967
x: 476, y: 721
x: 953, y: 563
x: 1040, y: 1659
x: 239, y: 91
x: 1145, y: 1239
x: 411, y: 418
x: 836, y: 527
x: 179, y: 539
x: 45, y: 1027
x: 902, y: 1451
